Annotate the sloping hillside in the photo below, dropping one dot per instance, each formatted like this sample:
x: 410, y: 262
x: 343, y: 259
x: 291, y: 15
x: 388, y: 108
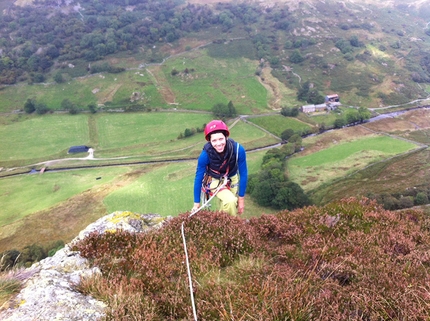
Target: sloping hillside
x: 371, y: 53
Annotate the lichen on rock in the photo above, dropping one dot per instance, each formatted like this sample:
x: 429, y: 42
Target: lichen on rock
x: 49, y: 292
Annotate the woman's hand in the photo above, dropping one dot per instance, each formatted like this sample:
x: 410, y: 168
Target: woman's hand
x: 240, y: 205
x: 195, y: 207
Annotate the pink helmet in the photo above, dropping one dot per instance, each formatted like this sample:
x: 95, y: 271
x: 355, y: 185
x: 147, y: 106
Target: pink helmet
x: 214, y: 126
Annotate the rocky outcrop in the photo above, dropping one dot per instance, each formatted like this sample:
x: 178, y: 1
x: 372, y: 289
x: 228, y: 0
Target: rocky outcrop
x: 48, y: 292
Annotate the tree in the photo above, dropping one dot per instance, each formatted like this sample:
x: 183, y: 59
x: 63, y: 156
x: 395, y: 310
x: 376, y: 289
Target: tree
x: 29, y: 106
x: 289, y: 112
x: 355, y: 42
x: 92, y: 107
x: 223, y: 111
x: 344, y: 46
x: 314, y: 97
x: 290, y: 196
x: 339, y: 122
x: 41, y: 108
x: 188, y: 132
x: 303, y: 92
x: 32, y: 253
x: 363, y: 114
x: 52, y: 52
x: 296, y: 139
x: 352, y: 117
x: 71, y: 107
x: 38, y: 77
x: 231, y: 109
x: 286, y: 134
x: 421, y: 198
x: 58, y: 77
x: 296, y: 57
x: 406, y: 202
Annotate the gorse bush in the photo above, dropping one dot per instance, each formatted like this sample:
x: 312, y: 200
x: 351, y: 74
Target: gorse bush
x: 348, y: 260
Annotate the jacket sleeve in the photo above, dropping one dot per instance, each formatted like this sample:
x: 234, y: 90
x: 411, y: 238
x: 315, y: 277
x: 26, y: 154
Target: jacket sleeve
x: 202, y: 163
x: 243, y: 171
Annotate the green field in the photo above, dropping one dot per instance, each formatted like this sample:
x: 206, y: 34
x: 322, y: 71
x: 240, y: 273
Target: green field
x: 109, y: 90
x: 276, y: 124
x: 211, y: 81
x: 27, y: 194
x: 166, y: 189
x: 150, y: 135
x: 214, y: 81
x: 147, y: 132
x: 123, y: 136
x: 42, y: 136
x: 340, y: 160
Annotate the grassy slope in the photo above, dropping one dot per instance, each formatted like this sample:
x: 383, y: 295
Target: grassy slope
x: 221, y: 73
x: 276, y: 124
x: 389, y: 176
x: 42, y: 136
x: 342, y: 159
x: 44, y: 191
x: 232, y: 79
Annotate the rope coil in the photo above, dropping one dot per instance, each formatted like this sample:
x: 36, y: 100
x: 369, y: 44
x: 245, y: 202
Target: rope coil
x: 205, y: 204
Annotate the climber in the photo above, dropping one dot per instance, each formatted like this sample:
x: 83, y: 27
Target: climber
x: 221, y: 158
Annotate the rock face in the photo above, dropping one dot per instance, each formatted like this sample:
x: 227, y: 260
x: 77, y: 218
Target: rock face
x: 48, y: 291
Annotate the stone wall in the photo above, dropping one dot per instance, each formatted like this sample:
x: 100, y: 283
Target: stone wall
x: 48, y: 286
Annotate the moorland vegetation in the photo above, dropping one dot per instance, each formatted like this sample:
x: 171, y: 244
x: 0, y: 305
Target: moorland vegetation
x: 137, y: 83
x: 349, y: 260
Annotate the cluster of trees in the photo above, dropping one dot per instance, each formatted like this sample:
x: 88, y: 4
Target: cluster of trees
x: 290, y: 111
x: 191, y: 131
x: 420, y: 74
x: 31, y: 106
x: 309, y: 94
x: 28, y: 255
x: 352, y: 116
x: 220, y: 111
x: 186, y: 71
x: 105, y: 67
x: 346, y: 46
x: 224, y: 111
x: 406, y: 199
x: 291, y: 137
x: 270, y: 187
x: 32, y: 38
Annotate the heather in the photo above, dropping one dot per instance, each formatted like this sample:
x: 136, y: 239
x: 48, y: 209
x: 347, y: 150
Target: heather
x: 348, y: 260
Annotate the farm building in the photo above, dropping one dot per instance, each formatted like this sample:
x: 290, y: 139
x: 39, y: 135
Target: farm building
x: 313, y: 108
x: 332, y: 98
x: 78, y: 149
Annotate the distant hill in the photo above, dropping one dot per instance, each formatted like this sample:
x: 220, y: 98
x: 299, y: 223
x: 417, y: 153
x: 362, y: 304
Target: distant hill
x: 370, y: 53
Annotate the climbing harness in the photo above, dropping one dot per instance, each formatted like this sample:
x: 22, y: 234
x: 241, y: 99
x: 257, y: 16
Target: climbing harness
x: 205, y: 204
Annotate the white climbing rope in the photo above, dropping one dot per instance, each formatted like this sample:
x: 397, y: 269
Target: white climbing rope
x: 205, y: 204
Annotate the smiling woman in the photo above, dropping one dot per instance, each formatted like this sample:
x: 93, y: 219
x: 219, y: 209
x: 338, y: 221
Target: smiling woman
x: 221, y: 170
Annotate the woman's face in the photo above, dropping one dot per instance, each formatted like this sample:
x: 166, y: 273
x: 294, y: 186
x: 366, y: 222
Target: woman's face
x: 218, y: 142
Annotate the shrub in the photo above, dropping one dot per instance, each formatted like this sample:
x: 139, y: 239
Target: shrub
x: 348, y: 258
x: 29, y: 106
x: 286, y: 134
x: 421, y: 198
